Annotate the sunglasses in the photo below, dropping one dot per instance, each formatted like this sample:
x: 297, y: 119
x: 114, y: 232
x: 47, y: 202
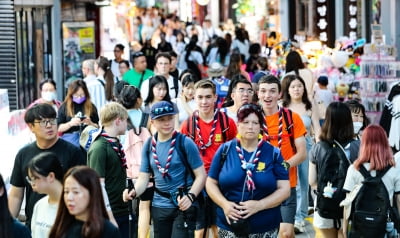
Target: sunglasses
x: 162, y: 110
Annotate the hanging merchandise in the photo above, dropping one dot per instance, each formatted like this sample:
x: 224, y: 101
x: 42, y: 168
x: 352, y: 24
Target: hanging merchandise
x: 378, y: 88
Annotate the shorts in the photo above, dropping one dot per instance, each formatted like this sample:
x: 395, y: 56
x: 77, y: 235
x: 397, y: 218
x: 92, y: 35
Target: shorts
x: 207, y: 214
x: 288, y: 207
x: 323, y: 223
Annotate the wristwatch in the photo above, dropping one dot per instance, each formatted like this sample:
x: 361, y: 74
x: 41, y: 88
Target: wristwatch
x: 192, y: 197
x: 286, y: 165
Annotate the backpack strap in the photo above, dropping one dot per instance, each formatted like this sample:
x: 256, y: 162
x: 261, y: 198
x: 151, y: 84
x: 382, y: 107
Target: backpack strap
x: 192, y: 127
x: 180, y: 141
x: 144, y: 120
x: 101, y: 81
x: 335, y: 142
x: 224, y: 153
x: 176, y: 86
x: 141, y: 79
x: 379, y: 174
x: 224, y: 123
x: 287, y: 116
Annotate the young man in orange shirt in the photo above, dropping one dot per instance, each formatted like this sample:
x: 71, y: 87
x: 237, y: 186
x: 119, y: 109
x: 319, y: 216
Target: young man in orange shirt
x: 286, y: 131
x: 209, y: 128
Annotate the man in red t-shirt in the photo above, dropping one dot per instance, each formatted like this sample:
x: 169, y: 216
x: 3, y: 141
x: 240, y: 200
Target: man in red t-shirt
x: 278, y: 134
x: 209, y: 128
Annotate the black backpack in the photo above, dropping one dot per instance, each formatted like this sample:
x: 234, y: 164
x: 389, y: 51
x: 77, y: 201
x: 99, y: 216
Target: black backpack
x: 371, y: 207
x: 331, y: 170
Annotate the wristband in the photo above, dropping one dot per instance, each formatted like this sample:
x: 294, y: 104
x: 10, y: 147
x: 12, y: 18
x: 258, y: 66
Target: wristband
x: 191, y: 197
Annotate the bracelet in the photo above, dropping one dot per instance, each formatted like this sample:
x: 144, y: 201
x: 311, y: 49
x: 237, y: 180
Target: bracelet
x: 191, y: 197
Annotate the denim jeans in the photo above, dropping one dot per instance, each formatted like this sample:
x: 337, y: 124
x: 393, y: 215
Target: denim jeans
x: 302, y: 186
x: 171, y: 222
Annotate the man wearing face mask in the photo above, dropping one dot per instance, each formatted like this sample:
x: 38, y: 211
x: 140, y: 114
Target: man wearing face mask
x: 360, y: 119
x: 48, y: 91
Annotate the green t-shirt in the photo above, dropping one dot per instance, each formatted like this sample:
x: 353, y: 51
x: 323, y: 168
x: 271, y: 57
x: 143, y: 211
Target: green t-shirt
x: 106, y: 162
x: 133, y: 77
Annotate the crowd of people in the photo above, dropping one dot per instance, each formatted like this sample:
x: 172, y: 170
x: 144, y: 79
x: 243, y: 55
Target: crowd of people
x: 214, y: 143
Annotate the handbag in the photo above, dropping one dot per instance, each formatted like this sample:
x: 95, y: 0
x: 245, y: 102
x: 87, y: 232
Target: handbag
x: 72, y: 138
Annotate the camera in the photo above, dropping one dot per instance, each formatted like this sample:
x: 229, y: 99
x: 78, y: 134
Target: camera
x: 240, y: 227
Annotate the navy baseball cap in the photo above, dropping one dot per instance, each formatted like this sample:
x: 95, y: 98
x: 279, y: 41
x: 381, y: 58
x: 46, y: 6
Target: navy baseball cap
x: 163, y: 108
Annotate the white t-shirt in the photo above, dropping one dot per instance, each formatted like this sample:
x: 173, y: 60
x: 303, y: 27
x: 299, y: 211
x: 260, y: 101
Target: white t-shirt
x: 324, y: 95
x: 96, y: 91
x: 183, y: 115
x: 43, y: 217
x: 144, y: 90
x: 391, y: 179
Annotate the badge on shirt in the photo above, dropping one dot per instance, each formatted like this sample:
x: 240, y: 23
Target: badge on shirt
x: 260, y: 166
x: 218, y: 138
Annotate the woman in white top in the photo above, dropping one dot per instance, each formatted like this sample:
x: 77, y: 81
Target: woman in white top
x: 185, y: 102
x: 45, y: 175
x: 375, y: 155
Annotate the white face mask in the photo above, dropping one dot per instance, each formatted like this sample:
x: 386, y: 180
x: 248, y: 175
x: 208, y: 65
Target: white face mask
x: 49, y: 96
x: 357, y: 126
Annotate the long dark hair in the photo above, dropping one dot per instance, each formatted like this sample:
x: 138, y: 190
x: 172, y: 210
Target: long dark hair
x: 97, y: 213
x: 89, y: 108
x: 223, y: 49
x: 293, y: 62
x: 286, y: 81
x: 104, y: 64
x: 6, y: 228
x: 338, y: 124
x: 234, y: 66
x: 157, y: 79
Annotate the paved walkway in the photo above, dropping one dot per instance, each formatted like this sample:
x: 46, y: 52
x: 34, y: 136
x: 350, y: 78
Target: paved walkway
x: 310, y: 233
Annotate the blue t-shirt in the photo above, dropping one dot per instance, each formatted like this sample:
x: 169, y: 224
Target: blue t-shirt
x: 258, y: 76
x: 176, y: 169
x: 231, y: 181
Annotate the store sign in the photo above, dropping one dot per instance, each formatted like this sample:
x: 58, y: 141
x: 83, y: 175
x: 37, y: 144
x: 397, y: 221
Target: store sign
x: 353, y: 19
x: 322, y: 23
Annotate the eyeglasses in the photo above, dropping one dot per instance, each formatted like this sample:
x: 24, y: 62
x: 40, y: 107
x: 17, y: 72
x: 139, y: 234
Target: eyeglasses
x: 250, y: 106
x: 43, y: 123
x: 247, y: 90
x: 117, y: 51
x: 161, y: 110
x: 31, y: 180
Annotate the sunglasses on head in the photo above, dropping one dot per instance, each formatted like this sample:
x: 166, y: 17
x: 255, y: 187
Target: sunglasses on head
x: 251, y: 106
x: 161, y: 110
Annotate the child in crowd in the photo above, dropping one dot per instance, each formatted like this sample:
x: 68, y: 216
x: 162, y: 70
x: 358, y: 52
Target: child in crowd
x: 45, y: 175
x: 322, y: 96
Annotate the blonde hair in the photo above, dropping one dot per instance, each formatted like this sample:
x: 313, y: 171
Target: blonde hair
x: 112, y: 111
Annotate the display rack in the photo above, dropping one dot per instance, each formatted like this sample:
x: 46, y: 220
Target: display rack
x: 378, y: 74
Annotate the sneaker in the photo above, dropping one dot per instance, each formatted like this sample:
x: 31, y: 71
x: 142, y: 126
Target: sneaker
x: 299, y: 227
x: 310, y: 210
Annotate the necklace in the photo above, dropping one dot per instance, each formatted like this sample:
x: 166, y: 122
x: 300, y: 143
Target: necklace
x: 203, y: 146
x: 280, y: 126
x: 250, y: 165
x: 163, y: 170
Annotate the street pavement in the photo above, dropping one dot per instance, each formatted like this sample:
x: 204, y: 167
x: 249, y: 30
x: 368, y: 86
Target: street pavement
x: 309, y: 233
